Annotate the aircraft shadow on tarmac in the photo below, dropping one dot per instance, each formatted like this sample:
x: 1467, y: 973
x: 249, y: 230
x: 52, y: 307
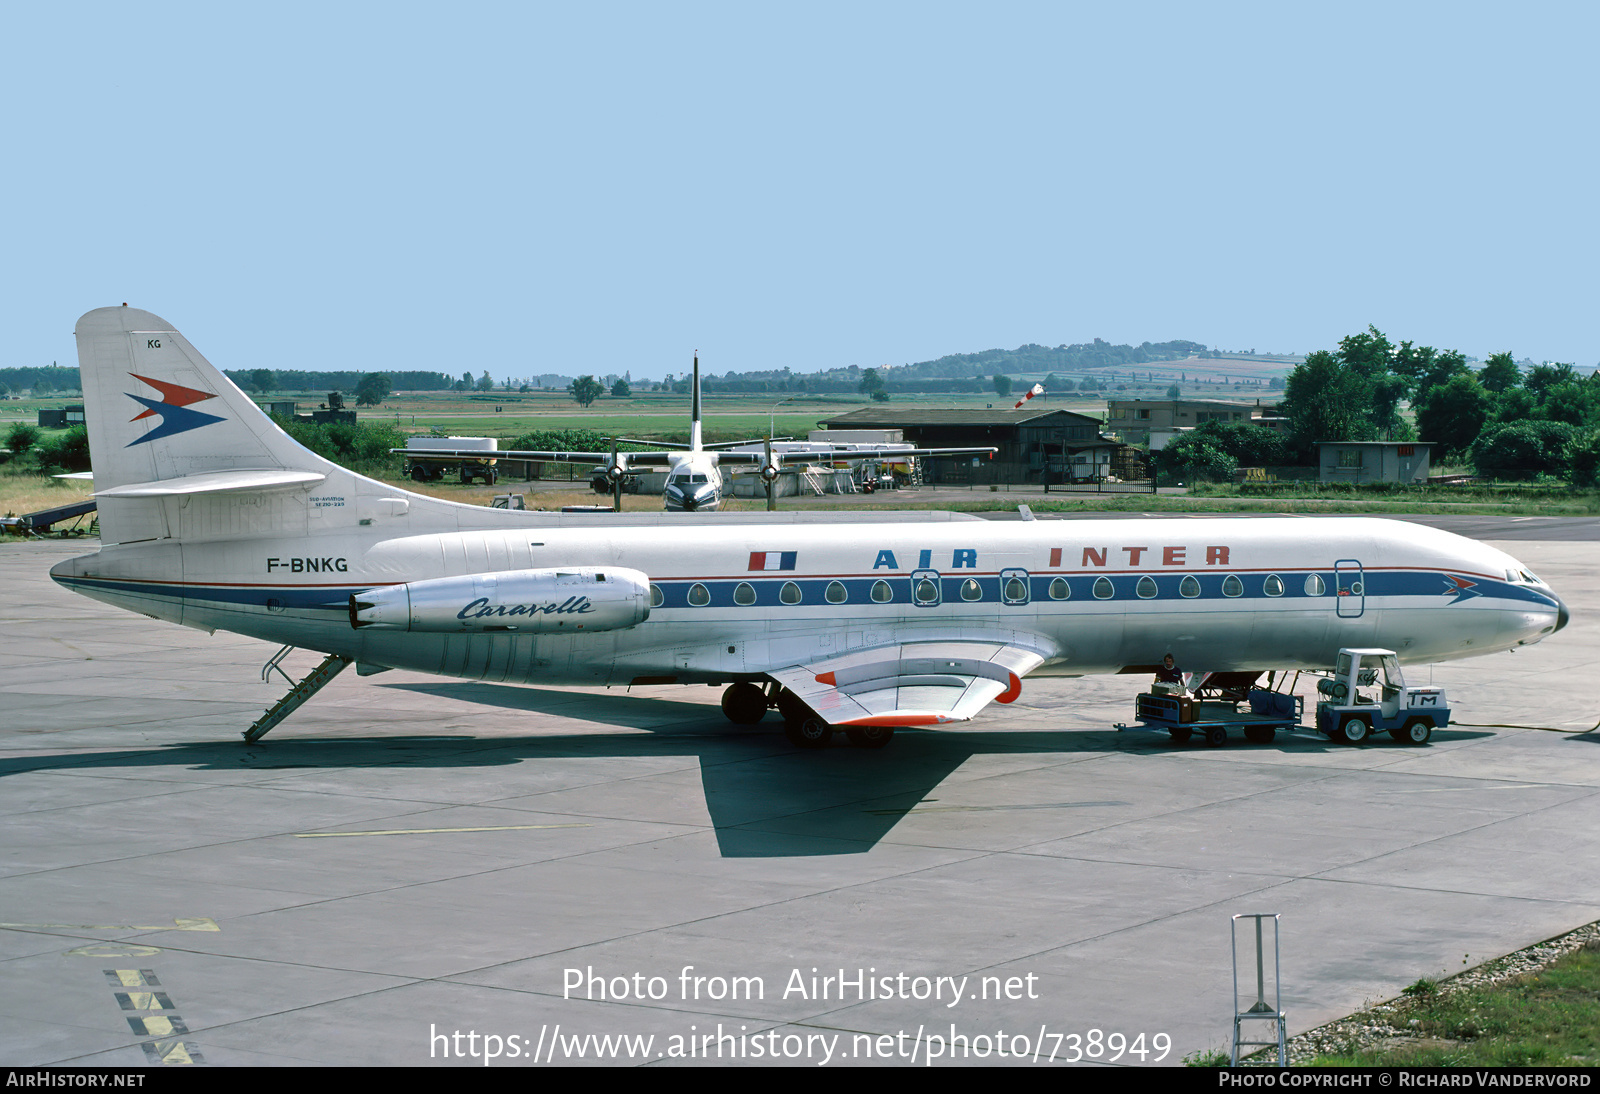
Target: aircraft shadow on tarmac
x: 765, y: 798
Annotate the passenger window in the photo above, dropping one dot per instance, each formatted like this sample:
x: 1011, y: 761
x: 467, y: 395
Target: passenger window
x: 1232, y: 586
x: 1060, y: 589
x: 882, y: 593
x: 1314, y: 585
x: 745, y: 594
x: 971, y: 590
x: 1189, y: 587
x: 699, y: 595
x: 657, y: 597
x: 1016, y: 591
x: 1103, y: 589
x: 927, y: 591
x: 836, y: 593
x: 1147, y: 587
x: 790, y: 593
x: 1273, y: 586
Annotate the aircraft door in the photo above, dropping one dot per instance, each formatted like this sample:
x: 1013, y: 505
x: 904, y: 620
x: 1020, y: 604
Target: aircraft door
x: 1014, y: 587
x: 926, y: 588
x: 1350, y: 589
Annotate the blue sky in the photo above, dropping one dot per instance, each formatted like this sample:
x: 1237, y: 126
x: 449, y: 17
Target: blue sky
x: 531, y: 188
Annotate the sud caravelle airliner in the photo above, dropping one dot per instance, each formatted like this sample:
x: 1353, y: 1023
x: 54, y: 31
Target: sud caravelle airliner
x: 212, y: 517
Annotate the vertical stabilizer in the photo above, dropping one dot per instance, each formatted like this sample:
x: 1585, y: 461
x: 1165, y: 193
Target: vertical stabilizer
x: 694, y: 408
x: 156, y: 409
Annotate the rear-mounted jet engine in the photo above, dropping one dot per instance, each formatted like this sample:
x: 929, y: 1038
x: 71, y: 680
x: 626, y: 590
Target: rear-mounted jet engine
x: 534, y: 601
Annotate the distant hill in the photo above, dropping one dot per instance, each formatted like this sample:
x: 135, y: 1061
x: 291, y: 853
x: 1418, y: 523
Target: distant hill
x: 972, y: 372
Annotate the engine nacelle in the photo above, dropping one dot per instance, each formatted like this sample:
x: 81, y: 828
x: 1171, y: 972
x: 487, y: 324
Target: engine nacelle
x: 580, y: 598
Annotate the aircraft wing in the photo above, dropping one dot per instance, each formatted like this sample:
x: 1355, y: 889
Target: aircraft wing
x: 915, y: 683
x: 838, y: 455
x: 646, y: 459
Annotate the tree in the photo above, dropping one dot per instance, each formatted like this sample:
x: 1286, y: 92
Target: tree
x: 586, y: 389
x: 21, y: 438
x: 1249, y: 445
x: 871, y: 383
x: 486, y: 382
x: 1542, y: 378
x: 1500, y: 373
x: 1002, y: 385
x: 1174, y: 392
x: 1522, y: 447
x: 262, y: 379
x: 66, y: 453
x: 1583, y: 459
x: 1326, y: 401
x: 1452, y: 414
x: 621, y: 390
x: 1194, y: 457
x: 372, y: 389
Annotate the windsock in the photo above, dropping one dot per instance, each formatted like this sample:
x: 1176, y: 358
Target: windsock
x: 1037, y: 389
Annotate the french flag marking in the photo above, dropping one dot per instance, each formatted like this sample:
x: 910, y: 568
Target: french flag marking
x: 772, y: 560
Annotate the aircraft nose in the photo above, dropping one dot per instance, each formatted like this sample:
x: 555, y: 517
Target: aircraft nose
x: 1561, y: 613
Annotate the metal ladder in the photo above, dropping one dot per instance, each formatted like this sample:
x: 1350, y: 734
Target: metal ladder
x: 814, y: 481
x: 319, y: 677
x: 1260, y: 1010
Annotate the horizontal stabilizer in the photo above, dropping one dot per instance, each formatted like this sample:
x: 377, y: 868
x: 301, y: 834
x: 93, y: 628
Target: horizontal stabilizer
x: 215, y: 482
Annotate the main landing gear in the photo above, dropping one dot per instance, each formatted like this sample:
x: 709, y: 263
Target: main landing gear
x: 745, y: 704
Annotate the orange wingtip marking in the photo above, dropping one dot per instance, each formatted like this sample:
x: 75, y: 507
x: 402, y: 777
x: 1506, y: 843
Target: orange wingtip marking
x: 827, y: 678
x: 1011, y: 692
x: 898, y: 720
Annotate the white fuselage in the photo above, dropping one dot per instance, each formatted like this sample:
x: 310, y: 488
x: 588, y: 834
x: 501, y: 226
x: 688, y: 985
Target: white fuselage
x: 731, y: 601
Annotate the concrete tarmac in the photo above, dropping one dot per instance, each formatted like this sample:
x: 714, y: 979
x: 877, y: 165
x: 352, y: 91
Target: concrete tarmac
x: 410, y: 857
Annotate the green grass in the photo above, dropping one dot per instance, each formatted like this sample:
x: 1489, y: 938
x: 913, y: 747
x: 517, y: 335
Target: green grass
x: 1551, y: 1018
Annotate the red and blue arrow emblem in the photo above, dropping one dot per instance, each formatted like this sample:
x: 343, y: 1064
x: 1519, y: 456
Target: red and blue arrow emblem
x: 176, y: 417
x: 1459, y: 588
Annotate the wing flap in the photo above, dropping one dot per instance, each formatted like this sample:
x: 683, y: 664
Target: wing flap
x: 918, y: 683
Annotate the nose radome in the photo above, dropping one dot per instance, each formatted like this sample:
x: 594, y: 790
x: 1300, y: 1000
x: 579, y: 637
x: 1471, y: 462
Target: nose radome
x: 1562, y: 614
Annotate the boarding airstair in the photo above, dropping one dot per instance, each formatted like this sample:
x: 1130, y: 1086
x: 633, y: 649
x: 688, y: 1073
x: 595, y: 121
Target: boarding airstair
x: 320, y: 676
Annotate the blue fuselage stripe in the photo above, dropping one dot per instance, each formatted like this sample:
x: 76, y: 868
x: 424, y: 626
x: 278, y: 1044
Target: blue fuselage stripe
x: 1124, y: 587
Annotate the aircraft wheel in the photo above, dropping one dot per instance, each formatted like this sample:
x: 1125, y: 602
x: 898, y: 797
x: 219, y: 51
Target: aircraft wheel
x: 813, y: 732
x: 1355, y: 731
x: 1216, y: 737
x: 1180, y: 736
x: 1415, y: 732
x: 1259, y: 735
x: 418, y: 475
x: 869, y: 736
x: 744, y: 704
x: 790, y: 706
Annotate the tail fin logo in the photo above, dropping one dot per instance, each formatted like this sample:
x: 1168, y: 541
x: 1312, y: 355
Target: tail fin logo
x: 176, y: 417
